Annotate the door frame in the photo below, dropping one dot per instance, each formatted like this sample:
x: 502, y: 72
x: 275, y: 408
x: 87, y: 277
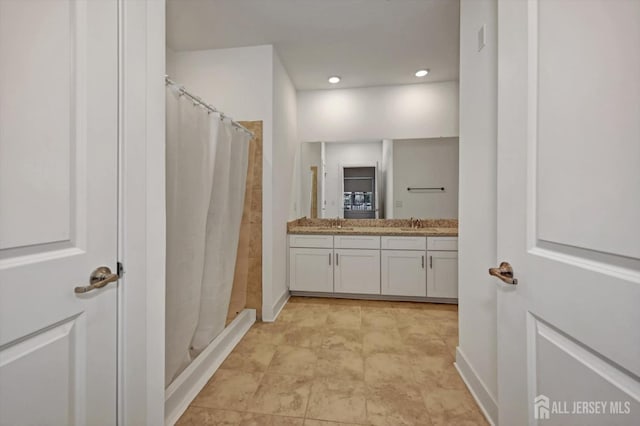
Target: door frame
x: 141, y: 212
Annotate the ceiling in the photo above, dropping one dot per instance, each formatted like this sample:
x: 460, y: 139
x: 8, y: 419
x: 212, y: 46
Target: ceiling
x: 366, y: 42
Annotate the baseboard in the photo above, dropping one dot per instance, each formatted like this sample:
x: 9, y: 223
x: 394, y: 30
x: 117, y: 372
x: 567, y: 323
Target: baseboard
x: 487, y: 403
x: 190, y: 382
x: 375, y: 297
x: 277, y: 307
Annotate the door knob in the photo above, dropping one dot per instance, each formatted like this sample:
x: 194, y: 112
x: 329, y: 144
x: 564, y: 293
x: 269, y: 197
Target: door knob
x: 98, y: 279
x: 504, y: 272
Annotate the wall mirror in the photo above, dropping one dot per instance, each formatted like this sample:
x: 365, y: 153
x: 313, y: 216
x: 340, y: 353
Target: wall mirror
x: 378, y: 179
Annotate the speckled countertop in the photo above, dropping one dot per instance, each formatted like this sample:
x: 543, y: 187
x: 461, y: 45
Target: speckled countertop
x: 393, y: 227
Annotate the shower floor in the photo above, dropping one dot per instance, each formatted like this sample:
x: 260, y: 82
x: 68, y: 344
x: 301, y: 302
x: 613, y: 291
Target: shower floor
x: 342, y: 362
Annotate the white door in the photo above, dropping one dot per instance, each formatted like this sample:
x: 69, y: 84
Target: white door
x: 311, y: 269
x: 442, y: 274
x: 568, y: 212
x: 403, y: 273
x: 357, y: 271
x: 58, y: 211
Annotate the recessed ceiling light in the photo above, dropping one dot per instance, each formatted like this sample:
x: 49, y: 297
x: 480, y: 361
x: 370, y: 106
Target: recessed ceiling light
x: 422, y: 73
x: 334, y: 79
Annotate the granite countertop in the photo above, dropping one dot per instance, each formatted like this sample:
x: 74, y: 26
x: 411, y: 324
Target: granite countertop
x: 389, y: 227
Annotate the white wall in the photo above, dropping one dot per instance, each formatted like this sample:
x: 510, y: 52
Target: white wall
x: 170, y: 62
x: 390, y: 112
x: 425, y: 163
x: 387, y: 179
x: 477, y: 241
x: 345, y: 154
x: 285, y: 144
x: 237, y: 81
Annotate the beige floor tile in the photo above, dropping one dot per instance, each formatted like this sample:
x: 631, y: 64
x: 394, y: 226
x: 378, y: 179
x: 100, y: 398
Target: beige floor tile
x: 250, y: 357
x: 420, y: 345
x: 293, y: 360
x: 396, y: 403
x: 447, y: 327
x: 304, y: 337
x: 340, y: 363
x: 388, y: 367
x: 425, y: 327
x: 312, y: 316
x: 199, y: 416
x: 442, y: 311
x: 281, y: 395
x: 452, y: 407
x: 339, y: 338
x: 436, y: 372
x: 288, y: 314
x: 312, y: 422
x: 265, y: 333
x: 253, y: 419
x: 382, y: 340
x: 228, y: 389
x: 344, y: 317
x: 452, y: 344
x: 377, y: 318
x: 337, y: 400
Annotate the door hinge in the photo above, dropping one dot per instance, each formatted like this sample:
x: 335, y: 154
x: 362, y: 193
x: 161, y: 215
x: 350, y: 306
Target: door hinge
x: 120, y: 269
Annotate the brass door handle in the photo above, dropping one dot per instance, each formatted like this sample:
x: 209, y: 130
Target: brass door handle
x: 98, y: 279
x: 504, y: 272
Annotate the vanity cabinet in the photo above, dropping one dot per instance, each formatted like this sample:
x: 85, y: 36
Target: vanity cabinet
x: 403, y: 266
x: 403, y: 273
x: 311, y: 263
x: 421, y: 268
x: 442, y: 271
x: 311, y: 269
x: 357, y: 271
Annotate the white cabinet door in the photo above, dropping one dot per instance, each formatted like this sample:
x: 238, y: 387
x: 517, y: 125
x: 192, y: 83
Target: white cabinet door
x: 403, y: 273
x: 442, y: 274
x: 311, y: 270
x: 357, y: 271
x: 58, y: 211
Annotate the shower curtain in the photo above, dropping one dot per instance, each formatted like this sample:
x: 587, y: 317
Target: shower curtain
x: 206, y: 160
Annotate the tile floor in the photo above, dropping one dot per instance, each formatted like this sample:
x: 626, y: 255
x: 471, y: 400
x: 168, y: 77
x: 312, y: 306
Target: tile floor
x: 329, y: 362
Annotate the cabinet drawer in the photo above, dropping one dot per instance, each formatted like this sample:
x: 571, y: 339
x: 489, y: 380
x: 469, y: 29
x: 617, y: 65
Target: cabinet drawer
x: 311, y: 241
x: 404, y: 243
x: 442, y: 243
x: 357, y: 242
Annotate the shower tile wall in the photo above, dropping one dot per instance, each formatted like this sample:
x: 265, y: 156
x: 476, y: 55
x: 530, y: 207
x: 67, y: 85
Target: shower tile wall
x: 247, y: 284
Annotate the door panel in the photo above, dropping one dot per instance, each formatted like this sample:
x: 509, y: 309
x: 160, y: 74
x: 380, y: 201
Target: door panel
x: 604, y: 131
x: 592, y: 378
x: 357, y: 271
x: 58, y: 215
x: 569, y: 175
x: 403, y: 273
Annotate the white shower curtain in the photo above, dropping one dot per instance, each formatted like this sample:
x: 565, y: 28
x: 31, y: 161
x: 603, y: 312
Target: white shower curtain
x: 206, y: 173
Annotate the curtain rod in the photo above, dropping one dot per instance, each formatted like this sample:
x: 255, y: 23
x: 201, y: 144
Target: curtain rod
x: 208, y: 107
